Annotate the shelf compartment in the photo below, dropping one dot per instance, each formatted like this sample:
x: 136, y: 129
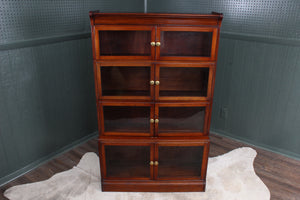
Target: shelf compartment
x: 126, y: 119
x: 124, y: 42
x: 188, y: 82
x: 181, y: 119
x: 186, y: 43
x: 181, y: 160
x: 126, y: 161
x: 125, y: 80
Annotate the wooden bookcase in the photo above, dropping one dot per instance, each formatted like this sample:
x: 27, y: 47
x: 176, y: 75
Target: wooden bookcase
x: 154, y: 80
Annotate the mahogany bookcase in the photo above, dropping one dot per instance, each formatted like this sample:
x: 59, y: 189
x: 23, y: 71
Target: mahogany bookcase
x: 154, y: 81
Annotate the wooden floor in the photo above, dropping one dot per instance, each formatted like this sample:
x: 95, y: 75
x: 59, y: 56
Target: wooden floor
x: 279, y: 173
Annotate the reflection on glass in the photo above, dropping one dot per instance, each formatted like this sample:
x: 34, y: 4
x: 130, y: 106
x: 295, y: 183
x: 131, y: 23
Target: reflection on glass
x: 180, y: 161
x: 183, y: 81
x: 125, y: 81
x: 125, y: 43
x: 185, y: 43
x: 127, y: 161
x: 132, y: 119
x: 181, y: 119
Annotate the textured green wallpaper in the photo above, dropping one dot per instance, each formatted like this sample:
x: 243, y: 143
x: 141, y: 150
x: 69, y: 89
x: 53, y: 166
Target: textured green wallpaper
x: 270, y: 18
x: 34, y: 19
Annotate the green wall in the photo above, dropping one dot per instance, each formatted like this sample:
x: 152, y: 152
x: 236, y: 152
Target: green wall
x: 47, y: 95
x: 258, y: 85
x: 47, y: 101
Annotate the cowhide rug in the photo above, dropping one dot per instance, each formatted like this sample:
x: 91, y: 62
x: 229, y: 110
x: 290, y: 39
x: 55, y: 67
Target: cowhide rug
x: 229, y: 176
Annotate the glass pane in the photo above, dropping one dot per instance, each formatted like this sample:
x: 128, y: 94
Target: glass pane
x: 180, y: 161
x: 185, y: 43
x: 127, y: 161
x: 181, y: 119
x: 183, y: 81
x: 126, y: 119
x: 125, y: 43
x: 125, y: 81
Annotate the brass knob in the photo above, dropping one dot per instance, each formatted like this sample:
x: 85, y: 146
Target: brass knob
x: 156, y: 120
x: 157, y: 82
x: 152, y: 44
x: 151, y: 120
x: 156, y: 163
x: 157, y: 44
x: 151, y: 163
x: 152, y: 82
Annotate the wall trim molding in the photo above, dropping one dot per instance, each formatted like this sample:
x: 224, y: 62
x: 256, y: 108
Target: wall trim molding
x: 78, y: 36
x: 260, y: 38
x: 43, y: 41
x: 257, y: 144
x: 145, y: 6
x: 10, y: 177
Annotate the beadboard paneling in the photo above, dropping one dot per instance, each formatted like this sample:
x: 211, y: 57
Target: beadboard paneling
x: 47, y: 100
x: 258, y: 83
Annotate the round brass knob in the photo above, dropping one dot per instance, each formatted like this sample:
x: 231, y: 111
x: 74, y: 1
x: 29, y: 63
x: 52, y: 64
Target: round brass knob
x: 157, y: 82
x: 157, y: 44
x: 156, y: 163
x: 151, y: 163
x: 156, y: 120
x: 152, y: 82
x: 151, y: 120
x: 152, y: 44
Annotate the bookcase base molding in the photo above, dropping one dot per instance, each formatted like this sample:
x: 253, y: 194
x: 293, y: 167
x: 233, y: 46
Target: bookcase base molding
x: 154, y: 186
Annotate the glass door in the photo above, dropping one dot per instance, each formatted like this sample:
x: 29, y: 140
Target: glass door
x: 124, y: 42
x: 179, y: 119
x: 126, y: 119
x: 125, y: 81
x: 126, y: 161
x: 183, y: 81
x: 181, y: 161
x: 186, y: 43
